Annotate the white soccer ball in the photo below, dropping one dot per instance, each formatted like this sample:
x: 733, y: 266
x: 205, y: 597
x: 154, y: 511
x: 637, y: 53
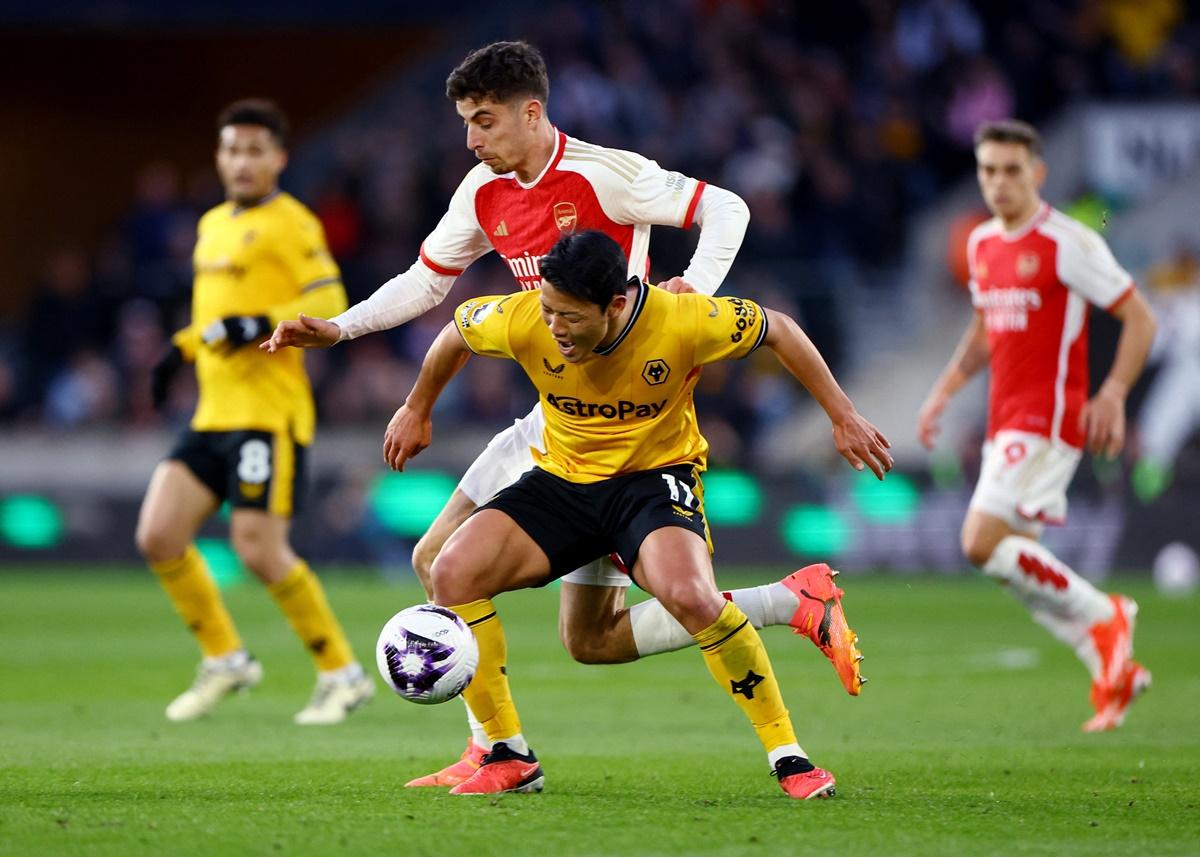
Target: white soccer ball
x: 1177, y: 570
x: 427, y: 654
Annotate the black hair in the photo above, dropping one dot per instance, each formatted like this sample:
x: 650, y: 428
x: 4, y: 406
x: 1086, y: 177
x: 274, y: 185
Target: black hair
x: 257, y: 111
x: 588, y: 265
x: 1010, y: 131
x: 499, y: 72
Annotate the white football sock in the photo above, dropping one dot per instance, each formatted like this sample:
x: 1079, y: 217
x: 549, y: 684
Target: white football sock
x: 769, y: 604
x: 656, y: 631
x: 477, y: 734
x: 516, y: 743
x: 1064, y: 603
x: 342, y: 675
x: 234, y: 660
x: 783, y: 751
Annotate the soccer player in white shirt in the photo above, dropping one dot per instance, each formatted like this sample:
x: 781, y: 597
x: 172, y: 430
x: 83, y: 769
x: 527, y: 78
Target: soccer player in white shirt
x: 533, y: 185
x: 1034, y: 271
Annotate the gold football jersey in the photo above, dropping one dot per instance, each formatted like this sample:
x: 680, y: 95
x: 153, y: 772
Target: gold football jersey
x: 267, y: 259
x: 629, y: 408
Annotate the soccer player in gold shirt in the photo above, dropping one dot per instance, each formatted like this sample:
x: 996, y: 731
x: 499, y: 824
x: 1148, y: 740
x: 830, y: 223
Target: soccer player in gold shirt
x: 615, y: 363
x: 259, y: 257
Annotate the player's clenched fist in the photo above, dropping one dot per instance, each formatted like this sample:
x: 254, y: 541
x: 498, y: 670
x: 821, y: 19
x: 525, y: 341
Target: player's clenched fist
x: 304, y: 332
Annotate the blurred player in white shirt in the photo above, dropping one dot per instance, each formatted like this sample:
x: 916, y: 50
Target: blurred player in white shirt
x: 533, y: 185
x: 1034, y: 271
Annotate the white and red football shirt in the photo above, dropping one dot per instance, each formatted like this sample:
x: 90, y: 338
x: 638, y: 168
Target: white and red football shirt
x: 583, y: 186
x: 1033, y: 287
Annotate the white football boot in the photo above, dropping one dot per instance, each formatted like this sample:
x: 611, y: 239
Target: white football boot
x: 335, y: 696
x: 216, y: 678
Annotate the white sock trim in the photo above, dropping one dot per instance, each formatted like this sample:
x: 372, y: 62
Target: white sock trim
x: 352, y: 671
x: 516, y: 743
x: 233, y: 660
x: 783, y: 751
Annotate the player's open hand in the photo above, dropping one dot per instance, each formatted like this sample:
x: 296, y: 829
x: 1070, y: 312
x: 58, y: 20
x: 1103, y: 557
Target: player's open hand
x: 407, y: 434
x: 1102, y: 420
x: 676, y: 286
x: 862, y: 444
x: 929, y: 418
x: 304, y: 332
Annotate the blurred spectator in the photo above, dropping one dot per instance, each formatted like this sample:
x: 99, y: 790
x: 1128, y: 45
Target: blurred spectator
x: 981, y: 95
x: 66, y: 315
x: 928, y: 32
x: 836, y: 125
x: 85, y: 391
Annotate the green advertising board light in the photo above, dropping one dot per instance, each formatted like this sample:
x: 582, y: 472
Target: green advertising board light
x: 222, y: 561
x: 30, y: 521
x: 407, y: 503
x: 732, y: 498
x: 895, y: 500
x: 812, y: 530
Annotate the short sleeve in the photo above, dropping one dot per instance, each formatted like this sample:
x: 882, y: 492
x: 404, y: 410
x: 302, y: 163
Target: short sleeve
x: 457, y: 240
x: 1087, y: 267
x: 726, y: 327
x: 305, y: 255
x: 484, y: 325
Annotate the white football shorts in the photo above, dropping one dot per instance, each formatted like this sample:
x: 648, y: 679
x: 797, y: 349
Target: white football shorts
x: 506, y: 457
x: 1024, y: 479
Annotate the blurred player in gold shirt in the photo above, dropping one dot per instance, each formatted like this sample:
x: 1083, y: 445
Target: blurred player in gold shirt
x: 260, y: 257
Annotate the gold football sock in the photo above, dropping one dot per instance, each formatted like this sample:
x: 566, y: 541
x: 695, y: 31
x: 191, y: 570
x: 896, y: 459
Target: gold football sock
x: 488, y: 694
x: 737, y: 659
x: 194, y: 593
x: 302, y: 600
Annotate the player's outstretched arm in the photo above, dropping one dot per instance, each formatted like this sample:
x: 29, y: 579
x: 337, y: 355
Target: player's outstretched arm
x: 303, y: 332
x: 1103, y: 417
x: 858, y: 441
x: 411, y: 427
x: 969, y: 357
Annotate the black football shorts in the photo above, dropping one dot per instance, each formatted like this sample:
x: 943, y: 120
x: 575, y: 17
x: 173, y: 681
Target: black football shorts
x: 251, y: 469
x: 575, y: 524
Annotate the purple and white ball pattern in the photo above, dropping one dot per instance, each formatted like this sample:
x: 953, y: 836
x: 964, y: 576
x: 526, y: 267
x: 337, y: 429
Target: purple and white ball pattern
x: 427, y: 654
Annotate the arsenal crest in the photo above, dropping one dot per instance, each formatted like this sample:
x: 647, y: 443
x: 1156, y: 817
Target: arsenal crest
x: 565, y: 217
x: 1027, y: 265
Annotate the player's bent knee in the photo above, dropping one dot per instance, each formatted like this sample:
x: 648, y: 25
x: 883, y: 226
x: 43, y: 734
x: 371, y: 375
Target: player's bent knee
x: 693, y: 606
x: 423, y: 555
x: 156, y: 544
x: 587, y: 647
x: 977, y: 551
x: 999, y: 561
x: 445, y: 584
x: 579, y: 650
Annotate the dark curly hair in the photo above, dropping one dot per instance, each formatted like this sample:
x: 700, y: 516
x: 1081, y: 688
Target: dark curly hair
x: 257, y: 111
x: 499, y: 72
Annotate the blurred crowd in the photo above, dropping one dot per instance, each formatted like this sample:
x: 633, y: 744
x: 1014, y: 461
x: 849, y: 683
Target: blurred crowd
x: 835, y: 126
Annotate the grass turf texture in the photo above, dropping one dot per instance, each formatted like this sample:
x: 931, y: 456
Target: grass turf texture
x: 966, y: 741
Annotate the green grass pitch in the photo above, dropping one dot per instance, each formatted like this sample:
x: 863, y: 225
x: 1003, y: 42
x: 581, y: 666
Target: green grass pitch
x: 966, y: 741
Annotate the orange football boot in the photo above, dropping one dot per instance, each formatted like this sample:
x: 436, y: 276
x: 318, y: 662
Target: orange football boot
x: 800, y: 780
x: 504, y: 770
x: 467, y: 764
x: 1122, y: 679
x: 820, y: 618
